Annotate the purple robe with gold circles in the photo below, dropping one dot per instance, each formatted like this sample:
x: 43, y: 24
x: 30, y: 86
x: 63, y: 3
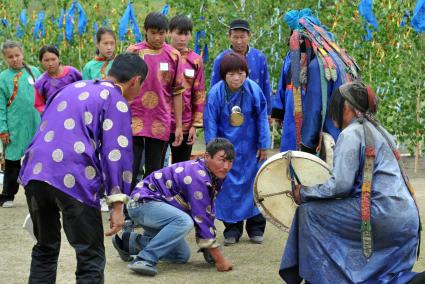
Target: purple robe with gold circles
x: 84, y: 140
x: 188, y: 186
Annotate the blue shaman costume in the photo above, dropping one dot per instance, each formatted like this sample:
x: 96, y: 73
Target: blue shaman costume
x: 362, y: 225
x: 311, y: 71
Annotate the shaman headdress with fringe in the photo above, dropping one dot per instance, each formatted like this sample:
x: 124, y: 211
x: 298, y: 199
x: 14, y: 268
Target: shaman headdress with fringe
x: 331, y: 59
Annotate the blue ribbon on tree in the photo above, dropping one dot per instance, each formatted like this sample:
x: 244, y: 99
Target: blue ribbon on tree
x: 197, y: 48
x: 82, y: 20
x: 404, y: 19
x: 418, y: 19
x: 61, y: 24
x: 95, y: 29
x: 198, y: 36
x: 205, y: 53
x: 61, y: 19
x: 22, y: 21
x: 366, y: 10
x: 5, y: 22
x: 165, y: 9
x: 39, y: 30
x: 129, y: 17
x: 23, y: 17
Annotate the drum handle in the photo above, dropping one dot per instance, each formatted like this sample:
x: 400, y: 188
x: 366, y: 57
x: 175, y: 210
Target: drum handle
x: 293, y: 175
x: 286, y: 192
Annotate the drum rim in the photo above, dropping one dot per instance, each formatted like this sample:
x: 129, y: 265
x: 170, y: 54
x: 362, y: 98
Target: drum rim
x: 282, y: 155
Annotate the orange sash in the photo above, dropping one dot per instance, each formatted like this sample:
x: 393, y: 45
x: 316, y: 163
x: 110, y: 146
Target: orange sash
x: 15, y: 88
x: 105, y: 64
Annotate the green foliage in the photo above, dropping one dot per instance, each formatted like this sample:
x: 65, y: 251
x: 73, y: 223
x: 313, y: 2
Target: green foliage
x: 393, y: 63
x: 81, y: 49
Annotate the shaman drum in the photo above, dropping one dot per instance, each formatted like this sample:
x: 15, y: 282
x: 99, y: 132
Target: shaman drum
x: 272, y: 185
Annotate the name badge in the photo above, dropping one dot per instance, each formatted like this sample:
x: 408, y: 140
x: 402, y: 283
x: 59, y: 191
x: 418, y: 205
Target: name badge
x: 30, y: 80
x: 163, y: 66
x: 189, y: 73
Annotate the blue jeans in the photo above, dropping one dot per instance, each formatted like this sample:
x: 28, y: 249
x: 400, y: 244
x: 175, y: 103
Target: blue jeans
x: 167, y: 226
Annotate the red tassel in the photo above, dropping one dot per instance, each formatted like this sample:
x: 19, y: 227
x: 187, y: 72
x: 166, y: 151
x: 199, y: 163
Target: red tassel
x: 370, y: 151
x: 397, y: 154
x: 365, y: 206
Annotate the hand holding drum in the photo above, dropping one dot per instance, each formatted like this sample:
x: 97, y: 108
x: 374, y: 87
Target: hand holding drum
x: 278, y: 183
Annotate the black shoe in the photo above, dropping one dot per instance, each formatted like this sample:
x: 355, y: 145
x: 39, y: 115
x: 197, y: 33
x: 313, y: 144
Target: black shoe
x: 256, y: 239
x: 3, y: 198
x: 6, y: 201
x: 143, y: 267
x: 124, y: 255
x: 230, y: 241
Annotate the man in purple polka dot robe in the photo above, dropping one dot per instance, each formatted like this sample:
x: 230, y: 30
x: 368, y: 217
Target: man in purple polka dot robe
x: 168, y: 203
x: 83, y: 142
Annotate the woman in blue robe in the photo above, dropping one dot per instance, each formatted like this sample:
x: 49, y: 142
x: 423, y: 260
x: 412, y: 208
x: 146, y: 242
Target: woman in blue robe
x: 325, y: 240
x: 235, y: 202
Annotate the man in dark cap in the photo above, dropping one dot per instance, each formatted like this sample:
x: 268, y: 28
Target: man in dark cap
x: 239, y: 36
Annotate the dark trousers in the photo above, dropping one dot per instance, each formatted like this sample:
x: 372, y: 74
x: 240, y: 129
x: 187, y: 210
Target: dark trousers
x: 83, y: 229
x: 10, y: 180
x: 181, y: 153
x: 255, y: 226
x: 154, y: 155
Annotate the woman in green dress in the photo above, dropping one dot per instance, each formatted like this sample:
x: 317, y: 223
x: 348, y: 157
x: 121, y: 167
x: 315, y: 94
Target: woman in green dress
x: 98, y: 68
x: 18, y: 117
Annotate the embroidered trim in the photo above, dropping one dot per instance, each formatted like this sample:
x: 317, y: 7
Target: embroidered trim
x: 117, y: 198
x: 15, y: 88
x: 102, y: 70
x: 366, y: 227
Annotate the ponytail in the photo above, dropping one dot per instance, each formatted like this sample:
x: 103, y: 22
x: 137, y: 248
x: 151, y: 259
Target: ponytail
x: 29, y: 71
x: 372, y: 100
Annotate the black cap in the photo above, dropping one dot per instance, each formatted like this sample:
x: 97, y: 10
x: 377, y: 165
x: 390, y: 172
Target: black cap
x: 239, y: 24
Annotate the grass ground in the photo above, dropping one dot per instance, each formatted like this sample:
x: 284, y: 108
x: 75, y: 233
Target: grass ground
x: 252, y: 263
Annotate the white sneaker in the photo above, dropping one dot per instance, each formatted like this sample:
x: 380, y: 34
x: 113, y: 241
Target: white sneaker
x: 8, y: 204
x: 104, y: 205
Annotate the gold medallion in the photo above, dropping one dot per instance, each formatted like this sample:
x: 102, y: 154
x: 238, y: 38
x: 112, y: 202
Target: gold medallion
x: 236, y: 117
